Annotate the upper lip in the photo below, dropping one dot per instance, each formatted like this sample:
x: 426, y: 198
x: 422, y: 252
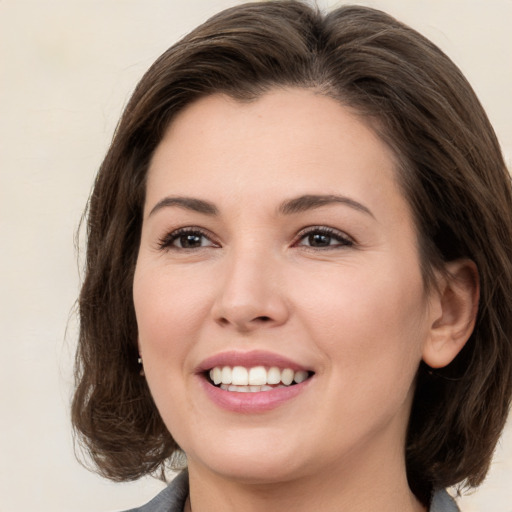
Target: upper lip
x: 249, y: 360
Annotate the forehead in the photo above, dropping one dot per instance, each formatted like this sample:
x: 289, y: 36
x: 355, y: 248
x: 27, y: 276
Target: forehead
x: 286, y: 141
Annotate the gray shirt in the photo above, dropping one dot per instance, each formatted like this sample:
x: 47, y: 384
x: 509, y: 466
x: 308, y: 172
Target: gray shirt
x: 173, y: 497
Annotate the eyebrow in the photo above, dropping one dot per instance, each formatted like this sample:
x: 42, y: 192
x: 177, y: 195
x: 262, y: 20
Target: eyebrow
x: 309, y: 202
x: 187, y: 203
x: 289, y: 207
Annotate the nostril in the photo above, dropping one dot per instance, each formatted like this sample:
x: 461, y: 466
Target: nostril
x: 263, y: 319
x: 245, y: 322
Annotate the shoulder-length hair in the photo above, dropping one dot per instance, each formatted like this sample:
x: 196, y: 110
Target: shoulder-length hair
x: 452, y: 173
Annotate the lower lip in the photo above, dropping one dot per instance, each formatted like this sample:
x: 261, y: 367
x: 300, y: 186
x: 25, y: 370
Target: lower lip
x: 252, y: 402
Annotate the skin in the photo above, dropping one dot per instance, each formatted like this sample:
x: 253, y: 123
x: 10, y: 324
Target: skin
x: 355, y: 311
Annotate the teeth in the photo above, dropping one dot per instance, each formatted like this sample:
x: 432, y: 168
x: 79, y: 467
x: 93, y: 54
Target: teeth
x: 240, y: 376
x: 300, y: 376
x: 287, y: 376
x: 257, y: 376
x: 274, y: 375
x: 225, y: 375
x: 255, y: 379
x: 239, y: 389
x: 248, y: 389
x: 217, y: 376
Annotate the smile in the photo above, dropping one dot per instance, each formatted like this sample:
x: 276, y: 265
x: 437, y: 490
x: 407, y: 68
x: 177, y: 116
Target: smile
x: 252, y: 382
x: 255, y: 379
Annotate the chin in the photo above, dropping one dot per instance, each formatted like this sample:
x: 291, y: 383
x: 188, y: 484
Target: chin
x: 252, y: 462
x: 256, y: 471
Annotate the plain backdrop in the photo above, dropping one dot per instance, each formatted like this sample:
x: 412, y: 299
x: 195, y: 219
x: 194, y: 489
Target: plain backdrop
x: 67, y: 68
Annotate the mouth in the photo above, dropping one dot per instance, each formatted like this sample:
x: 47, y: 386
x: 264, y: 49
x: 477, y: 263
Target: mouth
x: 253, y: 382
x: 255, y: 379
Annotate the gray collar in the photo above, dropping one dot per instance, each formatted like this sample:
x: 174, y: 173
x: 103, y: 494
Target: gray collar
x: 443, y: 502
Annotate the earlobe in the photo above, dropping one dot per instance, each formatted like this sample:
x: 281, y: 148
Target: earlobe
x: 455, y: 314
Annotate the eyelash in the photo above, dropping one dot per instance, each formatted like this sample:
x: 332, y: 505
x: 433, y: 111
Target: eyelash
x: 167, y: 242
x: 342, y: 239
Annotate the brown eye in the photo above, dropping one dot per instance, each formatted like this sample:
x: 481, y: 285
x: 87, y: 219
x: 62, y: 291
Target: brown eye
x: 324, y: 238
x: 189, y: 241
x: 319, y: 240
x: 186, y: 239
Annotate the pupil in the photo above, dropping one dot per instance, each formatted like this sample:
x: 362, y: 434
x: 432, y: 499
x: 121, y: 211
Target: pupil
x: 188, y: 241
x: 319, y: 240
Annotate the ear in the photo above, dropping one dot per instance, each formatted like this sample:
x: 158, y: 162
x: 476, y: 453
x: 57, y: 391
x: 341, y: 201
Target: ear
x: 454, y: 307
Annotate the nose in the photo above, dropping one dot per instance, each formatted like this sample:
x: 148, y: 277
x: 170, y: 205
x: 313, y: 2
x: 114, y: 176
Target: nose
x: 251, y: 294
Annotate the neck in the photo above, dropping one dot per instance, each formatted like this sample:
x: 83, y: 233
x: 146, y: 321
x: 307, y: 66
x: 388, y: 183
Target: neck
x: 331, y: 490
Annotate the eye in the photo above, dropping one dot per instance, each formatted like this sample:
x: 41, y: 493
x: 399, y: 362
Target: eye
x: 187, y: 239
x: 322, y: 237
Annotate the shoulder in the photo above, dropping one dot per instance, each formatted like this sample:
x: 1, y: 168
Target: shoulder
x: 171, y: 499
x: 443, y: 502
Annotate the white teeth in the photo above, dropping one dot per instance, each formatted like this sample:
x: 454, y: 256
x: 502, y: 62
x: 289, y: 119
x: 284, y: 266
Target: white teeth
x: 287, y: 376
x: 225, y: 375
x: 217, y: 375
x: 300, y: 376
x: 257, y: 376
x: 255, y: 379
x: 240, y: 376
x: 248, y: 389
x: 239, y: 389
x: 274, y: 375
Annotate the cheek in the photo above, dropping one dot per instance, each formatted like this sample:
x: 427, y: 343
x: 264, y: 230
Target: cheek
x: 169, y: 309
x: 379, y: 352
x: 369, y: 321
x: 169, y: 312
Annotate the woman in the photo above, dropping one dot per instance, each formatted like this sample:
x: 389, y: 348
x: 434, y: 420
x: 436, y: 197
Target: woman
x: 298, y: 271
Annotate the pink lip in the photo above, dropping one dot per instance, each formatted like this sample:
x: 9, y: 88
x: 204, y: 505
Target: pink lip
x: 251, y: 403
x: 255, y: 402
x: 249, y: 359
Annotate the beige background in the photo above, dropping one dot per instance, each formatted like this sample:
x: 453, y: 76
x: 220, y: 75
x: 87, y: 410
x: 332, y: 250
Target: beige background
x: 66, y: 69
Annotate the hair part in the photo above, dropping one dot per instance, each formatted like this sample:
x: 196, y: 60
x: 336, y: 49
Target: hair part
x: 449, y: 166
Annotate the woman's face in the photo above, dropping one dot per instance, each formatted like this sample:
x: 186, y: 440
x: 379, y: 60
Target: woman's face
x: 275, y: 235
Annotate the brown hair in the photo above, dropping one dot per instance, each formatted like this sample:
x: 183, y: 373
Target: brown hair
x: 452, y: 172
